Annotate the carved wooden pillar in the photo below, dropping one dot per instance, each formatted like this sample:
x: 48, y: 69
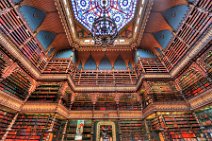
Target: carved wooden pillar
x: 9, y: 127
x: 93, y: 110
x: 117, y: 99
x: 80, y: 77
x: 97, y: 75
x: 179, y: 89
x: 72, y: 99
x: 139, y: 99
x: 69, y: 64
x: 31, y: 89
x: 128, y: 68
x: 94, y: 100
x: 114, y: 79
x: 92, y: 130
x: 64, y: 130
x: 147, y: 130
x: 62, y: 92
x: 197, y: 119
x: 50, y: 130
x: 142, y: 67
x: 199, y: 68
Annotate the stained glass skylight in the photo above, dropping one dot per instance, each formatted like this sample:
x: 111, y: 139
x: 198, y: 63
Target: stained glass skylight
x: 122, y: 11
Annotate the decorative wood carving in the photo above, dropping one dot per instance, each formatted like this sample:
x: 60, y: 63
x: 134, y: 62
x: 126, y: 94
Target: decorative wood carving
x: 9, y: 70
x: 10, y: 101
x: 201, y: 100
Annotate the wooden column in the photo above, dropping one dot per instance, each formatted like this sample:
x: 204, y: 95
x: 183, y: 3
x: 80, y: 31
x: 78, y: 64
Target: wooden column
x: 94, y: 100
x: 147, y: 129
x: 62, y: 93
x: 64, y: 130
x: 9, y: 127
x: 50, y: 134
x: 179, y: 89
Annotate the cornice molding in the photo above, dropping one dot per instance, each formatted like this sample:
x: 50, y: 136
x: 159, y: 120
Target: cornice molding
x: 166, y: 106
x: 68, y: 23
x: 201, y: 100
x: 38, y: 107
x: 34, y: 107
x: 10, y: 101
x: 12, y: 49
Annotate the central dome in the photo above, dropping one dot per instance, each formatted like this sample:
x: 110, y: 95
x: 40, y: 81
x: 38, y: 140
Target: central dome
x: 86, y: 11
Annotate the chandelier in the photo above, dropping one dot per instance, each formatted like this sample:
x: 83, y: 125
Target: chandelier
x: 104, y: 29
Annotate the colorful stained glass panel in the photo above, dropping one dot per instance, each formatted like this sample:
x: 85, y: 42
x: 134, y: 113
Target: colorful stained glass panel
x: 86, y: 11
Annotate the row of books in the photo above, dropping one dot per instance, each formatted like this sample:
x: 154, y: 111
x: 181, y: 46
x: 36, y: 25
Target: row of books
x: 16, y: 84
x: 6, y: 117
x: 46, y: 92
x: 132, y: 130
x: 24, y: 129
x: 180, y: 126
x: 148, y: 99
x: 204, y: 116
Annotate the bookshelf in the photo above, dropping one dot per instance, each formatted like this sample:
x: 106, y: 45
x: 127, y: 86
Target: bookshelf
x: 6, y: 116
x: 208, y: 62
x: 188, y: 34
x: 66, y: 100
x: 71, y: 130
x: 46, y: 92
x: 82, y: 105
x: 132, y: 129
x: 151, y: 65
x: 105, y: 102
x: 193, y: 83
x: 16, y: 84
x: 30, y: 127
x: 87, y: 130
x: 159, y: 91
x: 20, y: 34
x: 82, y: 102
x: 129, y: 102
x: 57, y: 65
x: 205, y: 61
x: 205, y: 118
x: 2, y: 64
x: 58, y: 129
x: 176, y: 126
x: 104, y: 77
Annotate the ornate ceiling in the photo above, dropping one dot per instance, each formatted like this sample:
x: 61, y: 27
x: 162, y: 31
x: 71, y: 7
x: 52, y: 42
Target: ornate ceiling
x: 77, y: 16
x: 86, y: 11
x: 145, y: 24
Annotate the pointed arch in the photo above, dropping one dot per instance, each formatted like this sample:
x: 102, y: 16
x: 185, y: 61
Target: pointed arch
x: 90, y: 64
x: 105, y: 64
x: 79, y: 65
x: 120, y: 64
